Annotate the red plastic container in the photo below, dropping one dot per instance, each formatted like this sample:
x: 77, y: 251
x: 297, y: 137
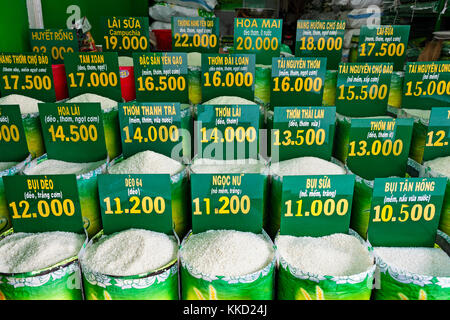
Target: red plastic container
x: 163, y: 39
x: 127, y: 83
x: 60, y: 81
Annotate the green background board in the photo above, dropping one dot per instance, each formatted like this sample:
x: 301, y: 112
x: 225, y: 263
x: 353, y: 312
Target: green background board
x: 356, y: 74
x: 14, y: 16
x: 311, y: 188
x: 251, y: 185
x: 13, y: 145
x: 316, y: 29
x: 70, y: 145
x: 409, y: 233
x: 144, y: 116
x: 142, y: 187
x: 294, y: 69
x: 156, y: 68
x: 297, y: 120
x: 369, y: 165
x: 228, y: 64
x: 55, y: 42
x: 64, y: 187
x: 187, y: 27
x: 245, y: 116
x: 249, y: 30
x: 439, y: 121
x: 419, y: 74
x: 37, y: 65
x: 128, y: 28
x: 381, y: 39
x: 85, y: 63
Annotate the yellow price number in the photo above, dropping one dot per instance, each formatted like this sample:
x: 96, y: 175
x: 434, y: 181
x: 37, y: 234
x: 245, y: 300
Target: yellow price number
x: 170, y: 83
x: 239, y: 134
x: 378, y: 147
x: 318, y: 206
x: 102, y: 79
x: 372, y: 93
x: 233, y: 205
x: 260, y: 43
x: 56, y: 52
x: 238, y: 79
x: 126, y: 43
x: 145, y: 205
x: 56, y: 207
x: 9, y: 133
x: 161, y: 133
x: 77, y: 133
x: 309, y: 137
x: 386, y: 49
x: 415, y: 212
x: 307, y: 43
x: 300, y: 84
x: 198, y: 40
x: 440, y: 88
x: 435, y: 139
x: 35, y: 82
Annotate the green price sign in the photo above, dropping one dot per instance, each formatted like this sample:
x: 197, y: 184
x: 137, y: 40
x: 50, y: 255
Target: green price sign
x: 320, y: 38
x: 227, y: 132
x: 161, y: 77
x: 93, y: 72
x: 259, y: 36
x: 73, y: 132
x: 228, y: 201
x: 303, y: 131
x: 125, y: 35
x: 316, y: 206
x: 44, y: 203
x: 405, y: 211
x: 28, y: 74
x: 297, y: 80
x: 384, y: 44
x: 149, y: 126
x: 228, y: 75
x: 438, y: 135
x: 135, y: 201
x: 195, y: 34
x: 363, y: 89
x: 13, y: 143
x: 379, y: 147
x: 426, y: 85
x: 55, y: 42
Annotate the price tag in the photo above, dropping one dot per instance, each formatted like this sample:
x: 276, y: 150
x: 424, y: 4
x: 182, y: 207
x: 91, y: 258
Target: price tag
x: 28, y: 74
x: 259, y: 36
x: 73, y: 132
x: 297, y: 81
x: 93, y: 72
x: 303, y: 131
x: 320, y: 38
x: 195, y: 34
x: 13, y: 143
x: 426, y: 85
x: 135, y: 201
x: 228, y: 75
x: 438, y: 135
x: 363, y: 89
x: 41, y: 203
x: 55, y: 42
x: 149, y: 126
x: 316, y: 206
x: 161, y: 77
x: 405, y: 211
x: 228, y: 132
x: 379, y: 147
x: 384, y: 44
x: 227, y: 201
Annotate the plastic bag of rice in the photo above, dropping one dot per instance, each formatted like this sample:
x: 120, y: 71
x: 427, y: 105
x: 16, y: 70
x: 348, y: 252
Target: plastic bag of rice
x: 146, y: 258
x: 227, y: 265
x: 334, y: 267
x: 194, y: 77
x: 414, y: 273
x: 40, y: 265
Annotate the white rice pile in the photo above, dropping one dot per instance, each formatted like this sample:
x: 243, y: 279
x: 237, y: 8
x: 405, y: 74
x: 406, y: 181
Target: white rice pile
x: 105, y: 103
x: 27, y: 105
x: 423, y: 261
x: 440, y: 165
x: 227, y: 100
x: 418, y: 113
x: 334, y: 255
x: 125, y: 61
x: 227, y: 252
x: 147, y: 162
x: 305, y: 166
x: 194, y: 59
x: 204, y: 165
x: 52, y: 166
x: 25, y: 252
x: 7, y: 165
x: 130, y: 252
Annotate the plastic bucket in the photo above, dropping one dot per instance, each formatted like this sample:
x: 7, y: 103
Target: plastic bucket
x: 60, y: 81
x: 163, y: 39
x: 127, y: 83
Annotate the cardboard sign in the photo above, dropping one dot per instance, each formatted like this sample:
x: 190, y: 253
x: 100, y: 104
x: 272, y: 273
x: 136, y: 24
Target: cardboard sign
x: 55, y: 42
x: 197, y: 34
x: 13, y: 143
